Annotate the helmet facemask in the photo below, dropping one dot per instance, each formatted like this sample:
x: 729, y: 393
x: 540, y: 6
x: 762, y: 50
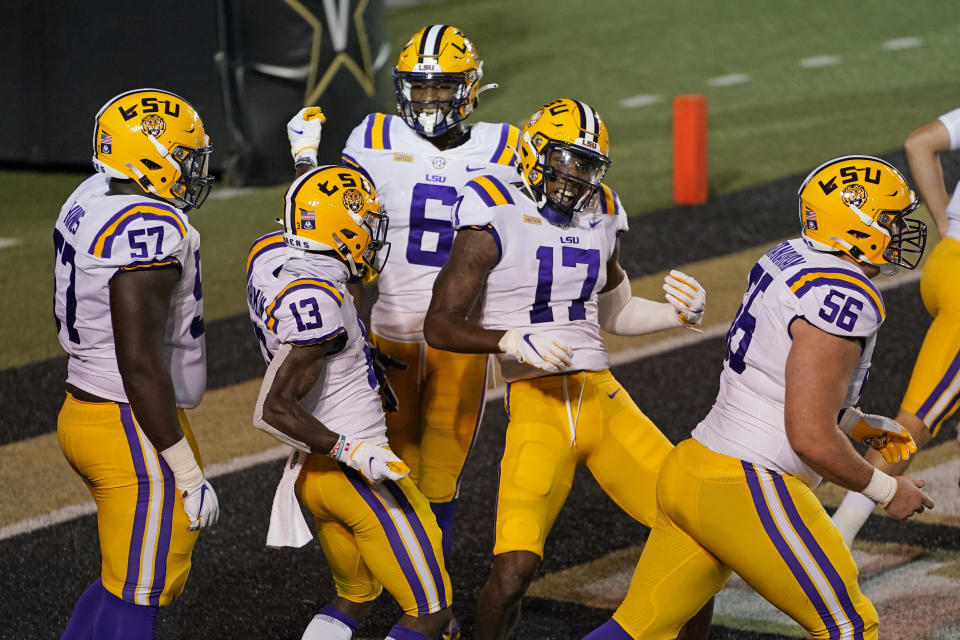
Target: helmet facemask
x: 433, y: 103
x: 908, y: 237
x: 569, y: 177
x: 194, y: 184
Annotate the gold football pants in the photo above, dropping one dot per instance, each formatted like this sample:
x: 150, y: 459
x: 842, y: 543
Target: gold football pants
x: 441, y: 398
x: 145, y: 544
x: 376, y: 536
x: 718, y: 514
x: 556, y: 423
x: 934, y: 390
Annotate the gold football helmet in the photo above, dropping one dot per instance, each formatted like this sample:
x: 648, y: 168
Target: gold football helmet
x: 859, y: 205
x: 336, y: 209
x: 157, y: 139
x: 564, y: 154
x: 437, y: 79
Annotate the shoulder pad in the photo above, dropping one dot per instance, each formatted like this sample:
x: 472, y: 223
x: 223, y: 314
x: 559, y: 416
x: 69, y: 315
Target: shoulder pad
x: 837, y: 298
x: 265, y: 244
x: 142, y: 234
x: 507, y: 146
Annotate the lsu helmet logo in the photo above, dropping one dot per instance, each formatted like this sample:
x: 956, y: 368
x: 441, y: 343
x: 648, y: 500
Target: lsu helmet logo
x: 353, y: 200
x: 854, y: 195
x: 153, y: 126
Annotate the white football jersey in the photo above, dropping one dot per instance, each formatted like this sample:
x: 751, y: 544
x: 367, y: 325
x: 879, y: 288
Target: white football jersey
x: 98, y: 236
x: 547, y: 277
x: 790, y: 281
x: 418, y: 185
x: 951, y: 121
x: 304, y: 301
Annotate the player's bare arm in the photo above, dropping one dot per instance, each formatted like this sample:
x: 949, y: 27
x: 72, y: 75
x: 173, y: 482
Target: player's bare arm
x: 298, y: 372
x: 923, y: 147
x: 818, y: 370
x: 139, y: 303
x: 456, y: 291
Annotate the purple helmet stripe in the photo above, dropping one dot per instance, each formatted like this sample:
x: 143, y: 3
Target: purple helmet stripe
x: 833, y: 577
x: 786, y: 553
x: 143, y: 503
x: 425, y: 545
x: 393, y: 537
x: 348, y: 160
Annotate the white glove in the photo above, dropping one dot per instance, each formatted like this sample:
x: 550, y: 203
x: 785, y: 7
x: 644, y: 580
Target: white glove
x: 201, y: 505
x: 884, y: 434
x: 538, y: 350
x: 686, y: 295
x: 303, y: 131
x: 376, y: 463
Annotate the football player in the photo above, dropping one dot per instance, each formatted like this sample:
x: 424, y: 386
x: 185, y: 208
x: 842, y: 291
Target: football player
x: 128, y: 306
x: 320, y: 396
x: 542, y: 255
x: 738, y: 495
x: 418, y: 161
x: 933, y: 393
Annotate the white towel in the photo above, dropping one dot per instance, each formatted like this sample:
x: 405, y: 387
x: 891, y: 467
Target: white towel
x: 287, y: 525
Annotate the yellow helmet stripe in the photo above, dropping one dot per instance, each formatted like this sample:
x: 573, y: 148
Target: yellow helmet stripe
x: 805, y: 279
x: 102, y: 244
x: 297, y: 285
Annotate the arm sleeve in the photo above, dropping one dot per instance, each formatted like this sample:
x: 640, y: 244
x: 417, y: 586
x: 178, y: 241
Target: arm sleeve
x: 842, y: 307
x: 951, y: 120
x: 306, y: 312
x: 144, y: 236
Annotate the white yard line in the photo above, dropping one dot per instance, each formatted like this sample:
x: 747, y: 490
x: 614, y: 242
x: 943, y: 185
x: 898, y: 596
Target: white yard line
x: 902, y: 43
x: 276, y: 453
x: 815, y: 62
x: 6, y: 243
x: 642, y: 100
x: 729, y: 80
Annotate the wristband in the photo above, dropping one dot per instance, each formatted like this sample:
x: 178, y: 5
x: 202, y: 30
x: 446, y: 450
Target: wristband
x: 881, y: 488
x: 340, y: 448
x: 186, y: 472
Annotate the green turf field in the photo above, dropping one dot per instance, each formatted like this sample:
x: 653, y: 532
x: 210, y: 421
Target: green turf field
x: 785, y: 119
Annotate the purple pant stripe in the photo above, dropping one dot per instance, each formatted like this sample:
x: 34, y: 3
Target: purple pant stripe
x: 940, y: 388
x: 946, y: 413
x: 393, y: 536
x: 766, y: 518
x: 414, y: 521
x: 833, y: 577
x: 163, y: 539
x: 143, y: 504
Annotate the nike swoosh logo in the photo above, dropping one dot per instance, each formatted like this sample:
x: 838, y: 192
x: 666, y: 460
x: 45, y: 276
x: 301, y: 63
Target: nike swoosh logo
x: 469, y: 168
x: 592, y: 225
x: 610, y: 395
x: 299, y: 133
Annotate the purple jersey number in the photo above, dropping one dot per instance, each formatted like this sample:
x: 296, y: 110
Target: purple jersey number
x: 744, y: 324
x: 570, y: 257
x: 420, y: 224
